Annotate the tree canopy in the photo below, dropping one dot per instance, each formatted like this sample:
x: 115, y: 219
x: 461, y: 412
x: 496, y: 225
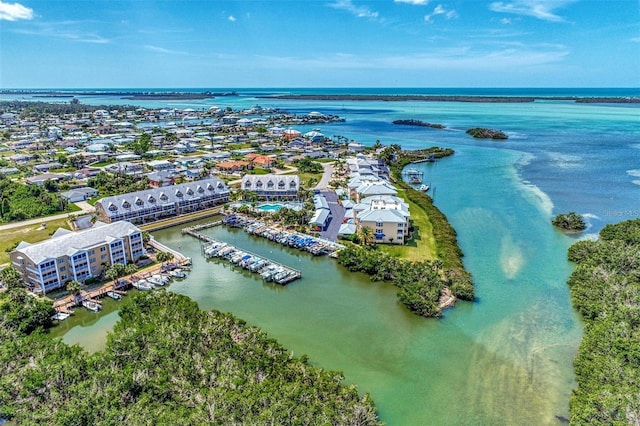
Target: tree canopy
x: 113, y: 184
x: 19, y: 201
x: 168, y: 362
x: 569, y: 221
x: 605, y: 289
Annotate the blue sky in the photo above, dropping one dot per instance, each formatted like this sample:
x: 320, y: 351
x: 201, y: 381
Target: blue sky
x: 319, y: 43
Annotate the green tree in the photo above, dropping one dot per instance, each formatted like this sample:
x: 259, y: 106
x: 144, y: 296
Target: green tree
x: 74, y: 287
x: 365, y: 235
x: 11, y: 278
x: 164, y: 256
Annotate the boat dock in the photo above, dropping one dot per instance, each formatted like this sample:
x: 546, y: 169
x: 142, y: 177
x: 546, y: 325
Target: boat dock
x: 268, y: 269
x: 314, y: 245
x: 414, y: 175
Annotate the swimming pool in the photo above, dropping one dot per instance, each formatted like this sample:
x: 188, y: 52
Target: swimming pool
x: 270, y: 207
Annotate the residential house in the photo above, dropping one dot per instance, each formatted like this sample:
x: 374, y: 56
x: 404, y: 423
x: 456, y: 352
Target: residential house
x: 41, y: 179
x: 79, y: 194
x: 161, y: 178
x: 161, y: 165
x: 232, y: 166
x: 45, y: 167
x: 81, y: 255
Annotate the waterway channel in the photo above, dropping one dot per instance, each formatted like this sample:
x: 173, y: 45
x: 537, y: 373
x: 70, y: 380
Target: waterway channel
x: 504, y: 359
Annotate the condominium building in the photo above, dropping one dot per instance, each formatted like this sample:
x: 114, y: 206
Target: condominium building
x: 80, y: 255
x: 152, y: 204
x: 387, y: 216
x: 272, y: 187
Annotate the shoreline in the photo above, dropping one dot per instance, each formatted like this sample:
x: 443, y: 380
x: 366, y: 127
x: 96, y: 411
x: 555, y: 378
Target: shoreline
x: 456, y: 98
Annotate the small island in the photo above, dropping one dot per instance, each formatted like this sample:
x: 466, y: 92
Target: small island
x: 569, y: 222
x: 483, y: 133
x: 418, y: 123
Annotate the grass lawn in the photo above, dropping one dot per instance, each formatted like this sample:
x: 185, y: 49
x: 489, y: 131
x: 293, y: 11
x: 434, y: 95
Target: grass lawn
x: 258, y: 171
x: 423, y: 245
x: 306, y: 177
x: 71, y: 207
x: 29, y: 233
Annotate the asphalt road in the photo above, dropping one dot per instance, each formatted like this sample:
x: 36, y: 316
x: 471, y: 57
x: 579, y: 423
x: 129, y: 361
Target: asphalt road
x: 337, y: 214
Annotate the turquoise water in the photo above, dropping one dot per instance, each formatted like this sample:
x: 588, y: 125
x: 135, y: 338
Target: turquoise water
x: 270, y: 207
x: 504, y: 359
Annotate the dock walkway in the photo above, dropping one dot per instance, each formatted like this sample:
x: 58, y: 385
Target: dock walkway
x: 268, y: 269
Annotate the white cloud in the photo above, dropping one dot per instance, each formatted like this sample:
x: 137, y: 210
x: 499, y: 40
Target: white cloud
x: 415, y: 2
x: 158, y: 49
x: 540, y: 9
x: 441, y: 10
x: 14, y: 11
x: 636, y: 39
x: 232, y: 18
x: 358, y: 11
x: 507, y: 58
x: 505, y: 21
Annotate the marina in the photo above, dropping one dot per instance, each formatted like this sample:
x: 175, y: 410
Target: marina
x: 269, y: 270
x: 314, y: 245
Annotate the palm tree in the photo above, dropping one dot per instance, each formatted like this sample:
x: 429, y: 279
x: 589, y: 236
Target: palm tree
x: 74, y: 287
x: 164, y: 256
x: 365, y: 235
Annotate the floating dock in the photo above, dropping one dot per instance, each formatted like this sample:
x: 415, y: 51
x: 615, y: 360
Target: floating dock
x: 268, y: 269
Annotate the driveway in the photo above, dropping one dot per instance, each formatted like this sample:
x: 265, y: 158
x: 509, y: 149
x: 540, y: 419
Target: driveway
x: 337, y: 214
x: 326, y: 176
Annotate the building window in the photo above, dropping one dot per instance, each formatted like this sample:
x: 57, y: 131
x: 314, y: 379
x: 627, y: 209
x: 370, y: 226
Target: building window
x: 379, y: 224
x: 103, y: 257
x: 103, y: 249
x: 63, y: 268
x: 92, y: 260
x: 378, y: 230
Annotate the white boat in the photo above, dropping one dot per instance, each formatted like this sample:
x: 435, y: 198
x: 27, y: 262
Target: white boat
x: 92, y: 306
x: 142, y: 285
x: 114, y: 295
x: 424, y: 188
x: 157, y: 280
x: 60, y: 316
x: 177, y: 273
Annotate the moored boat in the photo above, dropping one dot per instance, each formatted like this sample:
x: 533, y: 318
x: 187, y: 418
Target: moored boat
x: 114, y: 295
x: 91, y: 305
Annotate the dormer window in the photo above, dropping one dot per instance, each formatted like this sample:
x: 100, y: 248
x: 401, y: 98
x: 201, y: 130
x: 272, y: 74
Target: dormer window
x: 210, y: 187
x: 270, y: 184
x: 281, y: 184
x: 199, y: 189
x: 247, y: 184
x: 151, y: 199
x: 292, y: 184
x: 259, y: 184
x: 164, y: 197
x: 189, y: 191
x: 126, y: 204
x: 139, y: 202
x: 113, y: 207
x: 179, y: 194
